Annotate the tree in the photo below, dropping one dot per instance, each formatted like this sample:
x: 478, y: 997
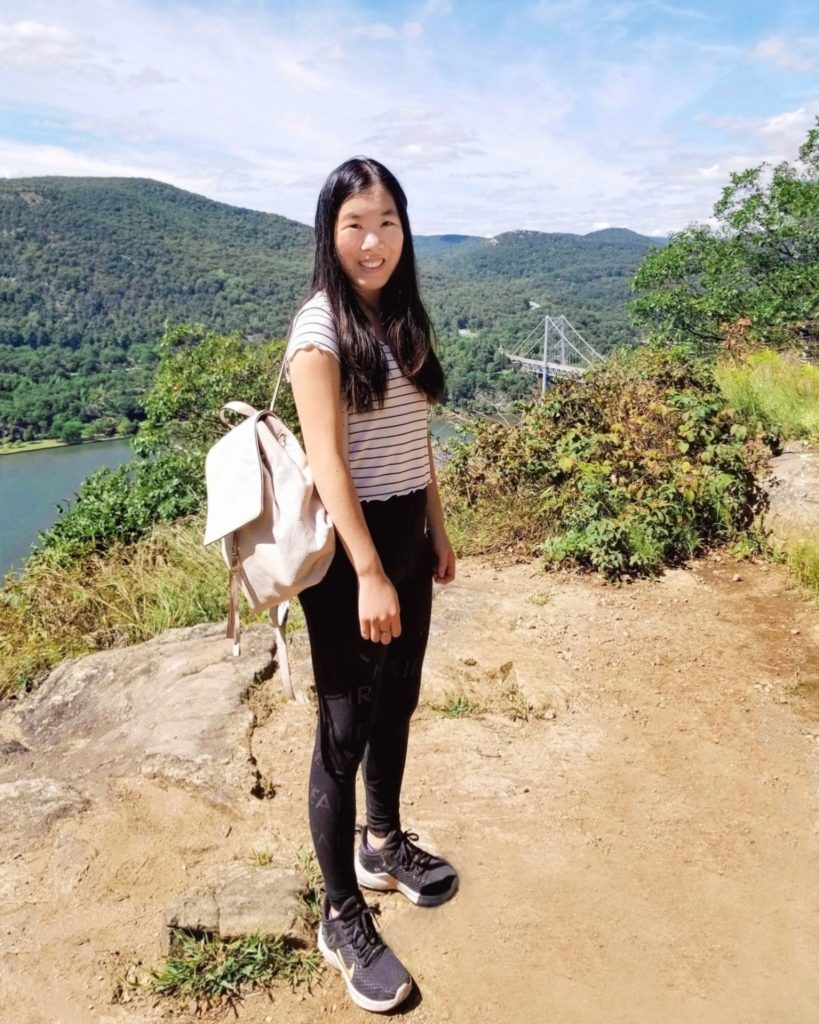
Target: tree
x: 70, y: 431
x: 759, y: 262
x: 199, y: 371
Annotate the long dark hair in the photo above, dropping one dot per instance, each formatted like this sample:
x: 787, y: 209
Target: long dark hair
x: 364, y: 370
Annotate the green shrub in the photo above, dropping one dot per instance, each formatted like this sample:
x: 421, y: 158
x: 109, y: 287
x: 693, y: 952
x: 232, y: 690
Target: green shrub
x: 637, y: 465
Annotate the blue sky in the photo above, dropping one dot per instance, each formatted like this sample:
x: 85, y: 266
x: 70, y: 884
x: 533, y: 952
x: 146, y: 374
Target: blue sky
x: 554, y: 115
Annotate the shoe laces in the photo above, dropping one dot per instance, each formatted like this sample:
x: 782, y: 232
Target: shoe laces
x: 362, y: 931
x: 410, y: 856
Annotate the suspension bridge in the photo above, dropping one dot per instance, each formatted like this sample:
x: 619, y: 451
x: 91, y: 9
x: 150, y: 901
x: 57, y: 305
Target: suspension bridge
x: 566, y: 353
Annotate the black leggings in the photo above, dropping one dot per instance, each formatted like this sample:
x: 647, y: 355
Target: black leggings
x: 366, y: 692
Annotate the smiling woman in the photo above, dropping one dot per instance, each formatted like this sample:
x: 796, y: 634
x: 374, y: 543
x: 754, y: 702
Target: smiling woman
x: 363, y: 372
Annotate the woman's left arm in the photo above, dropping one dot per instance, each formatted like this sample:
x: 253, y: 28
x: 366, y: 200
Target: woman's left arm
x: 444, y: 571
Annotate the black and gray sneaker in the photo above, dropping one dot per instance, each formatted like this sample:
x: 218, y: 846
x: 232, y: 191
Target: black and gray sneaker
x: 422, y: 877
x: 375, y: 977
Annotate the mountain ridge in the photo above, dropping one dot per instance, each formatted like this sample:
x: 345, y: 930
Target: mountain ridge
x: 91, y: 270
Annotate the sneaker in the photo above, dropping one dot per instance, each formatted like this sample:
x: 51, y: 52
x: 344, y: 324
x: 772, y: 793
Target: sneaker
x: 422, y: 877
x: 375, y: 977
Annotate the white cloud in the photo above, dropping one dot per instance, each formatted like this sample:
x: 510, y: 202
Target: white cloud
x: 420, y: 136
x: 32, y: 43
x: 377, y: 31
x: 19, y: 160
x: 776, y: 138
x: 151, y: 76
x: 793, y: 54
x: 488, y: 131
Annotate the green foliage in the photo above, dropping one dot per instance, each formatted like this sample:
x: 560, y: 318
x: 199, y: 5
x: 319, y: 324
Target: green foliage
x: 760, y: 262
x: 211, y: 971
x: 458, y: 704
x: 198, y: 372
x: 778, y: 392
x: 638, y: 465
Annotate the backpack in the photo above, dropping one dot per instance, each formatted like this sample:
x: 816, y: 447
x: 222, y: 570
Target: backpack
x: 277, y: 538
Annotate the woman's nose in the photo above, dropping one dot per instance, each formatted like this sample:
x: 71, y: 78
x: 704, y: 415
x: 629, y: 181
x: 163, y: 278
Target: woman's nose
x: 371, y: 241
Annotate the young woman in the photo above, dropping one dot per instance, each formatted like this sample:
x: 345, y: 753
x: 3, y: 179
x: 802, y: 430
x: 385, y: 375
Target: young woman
x: 363, y: 371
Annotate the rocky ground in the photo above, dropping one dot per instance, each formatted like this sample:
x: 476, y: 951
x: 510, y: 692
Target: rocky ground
x: 642, y: 849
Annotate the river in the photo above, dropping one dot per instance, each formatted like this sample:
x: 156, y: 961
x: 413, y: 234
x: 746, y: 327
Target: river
x: 32, y: 483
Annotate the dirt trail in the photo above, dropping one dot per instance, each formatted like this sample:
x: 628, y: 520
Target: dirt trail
x: 646, y: 853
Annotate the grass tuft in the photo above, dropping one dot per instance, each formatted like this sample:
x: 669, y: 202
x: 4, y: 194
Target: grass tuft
x: 802, y: 559
x: 213, y: 972
x: 458, y: 704
x: 311, y: 895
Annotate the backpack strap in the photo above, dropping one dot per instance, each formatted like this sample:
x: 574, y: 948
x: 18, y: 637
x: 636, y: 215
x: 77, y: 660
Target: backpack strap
x: 234, y: 622
x: 240, y: 407
x: 278, y: 617
x: 279, y: 381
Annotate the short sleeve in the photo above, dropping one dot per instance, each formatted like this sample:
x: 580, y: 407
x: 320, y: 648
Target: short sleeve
x: 313, y: 327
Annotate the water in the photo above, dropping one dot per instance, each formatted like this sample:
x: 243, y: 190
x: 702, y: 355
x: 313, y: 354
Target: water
x: 31, y: 484
x: 441, y: 429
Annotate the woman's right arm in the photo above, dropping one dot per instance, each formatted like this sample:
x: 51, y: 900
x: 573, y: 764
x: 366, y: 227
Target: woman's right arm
x: 315, y: 376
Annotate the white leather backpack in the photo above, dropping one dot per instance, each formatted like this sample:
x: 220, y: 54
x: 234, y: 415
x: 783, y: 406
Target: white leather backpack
x: 277, y: 538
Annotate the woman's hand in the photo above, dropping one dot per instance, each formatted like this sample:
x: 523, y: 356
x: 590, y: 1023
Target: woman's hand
x: 378, y: 613
x: 443, y: 570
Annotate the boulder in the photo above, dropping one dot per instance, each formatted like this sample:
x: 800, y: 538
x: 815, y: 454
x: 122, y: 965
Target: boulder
x: 242, y: 900
x: 172, y: 708
x: 793, y: 492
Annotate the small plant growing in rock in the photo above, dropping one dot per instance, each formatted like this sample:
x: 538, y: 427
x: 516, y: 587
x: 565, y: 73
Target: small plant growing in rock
x: 458, y: 704
x: 261, y: 857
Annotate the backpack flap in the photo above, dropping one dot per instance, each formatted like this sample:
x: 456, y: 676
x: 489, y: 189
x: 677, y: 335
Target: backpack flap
x: 233, y: 474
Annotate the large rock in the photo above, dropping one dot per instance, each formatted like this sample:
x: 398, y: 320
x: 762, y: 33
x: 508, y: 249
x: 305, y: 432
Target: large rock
x: 793, y: 491
x: 32, y: 805
x: 173, y: 707
x: 242, y: 900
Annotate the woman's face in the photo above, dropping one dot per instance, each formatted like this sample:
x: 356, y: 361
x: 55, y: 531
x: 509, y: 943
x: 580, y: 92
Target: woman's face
x: 369, y: 239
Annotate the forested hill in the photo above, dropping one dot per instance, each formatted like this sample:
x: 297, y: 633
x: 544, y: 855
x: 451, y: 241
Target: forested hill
x: 92, y: 268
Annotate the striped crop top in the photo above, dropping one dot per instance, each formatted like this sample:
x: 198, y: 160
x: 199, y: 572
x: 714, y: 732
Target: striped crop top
x: 387, y: 448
